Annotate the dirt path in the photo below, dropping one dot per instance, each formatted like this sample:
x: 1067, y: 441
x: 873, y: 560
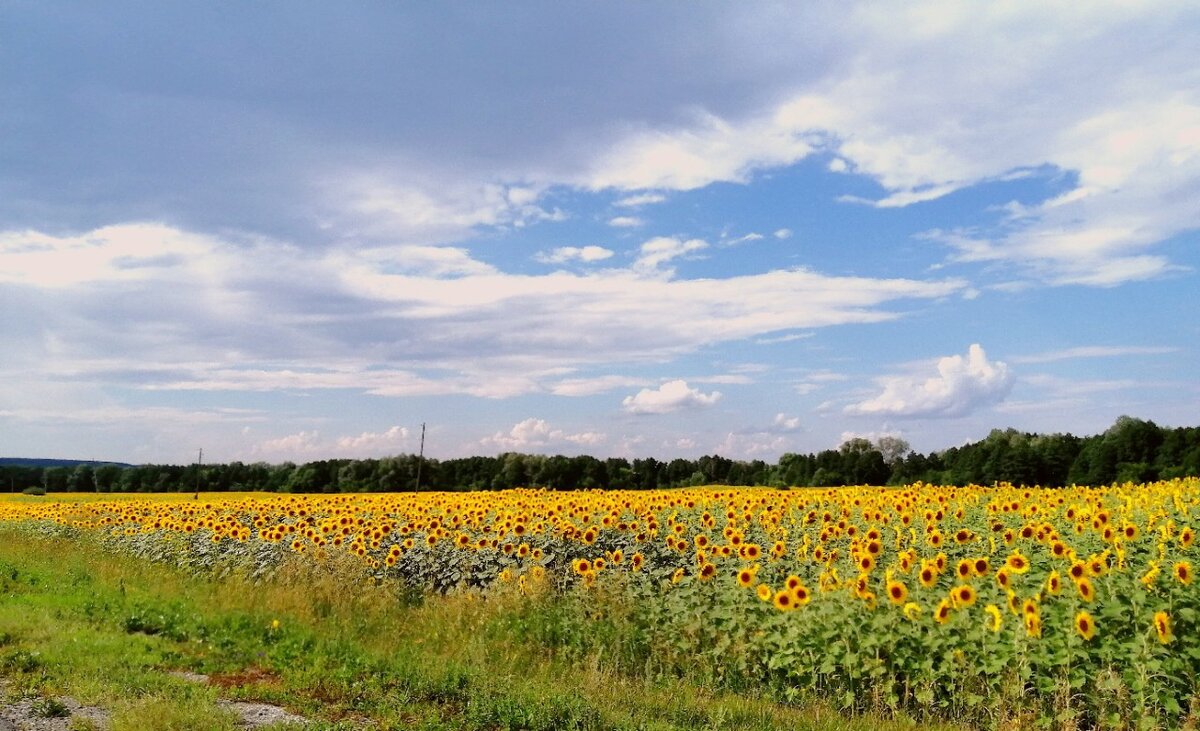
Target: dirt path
x: 66, y: 714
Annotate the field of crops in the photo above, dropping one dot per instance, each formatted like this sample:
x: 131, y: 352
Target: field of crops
x: 991, y: 606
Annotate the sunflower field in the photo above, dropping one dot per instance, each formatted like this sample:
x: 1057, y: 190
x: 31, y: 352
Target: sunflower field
x: 993, y: 606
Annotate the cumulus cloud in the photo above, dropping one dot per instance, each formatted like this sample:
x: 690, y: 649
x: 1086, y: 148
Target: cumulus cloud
x: 310, y: 445
x: 564, y: 254
x: 961, y: 386
x: 669, y: 397
x: 786, y: 423
x: 536, y: 435
x: 782, y: 233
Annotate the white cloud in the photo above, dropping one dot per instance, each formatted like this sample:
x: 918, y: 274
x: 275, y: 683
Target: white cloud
x: 135, y: 252
x: 534, y: 435
x: 303, y: 445
x: 663, y: 249
x: 417, y: 209
x: 669, y: 397
x: 790, y: 337
x: 625, y: 222
x: 642, y: 199
x: 782, y: 233
x: 752, y: 236
x: 1094, y: 351
x: 392, y: 439
x: 564, y: 254
x: 310, y: 445
x: 870, y: 436
x: 786, y: 423
x: 390, y: 321
x: 710, y: 150
x: 904, y: 109
x: 758, y: 445
x: 960, y: 386
x: 593, y: 386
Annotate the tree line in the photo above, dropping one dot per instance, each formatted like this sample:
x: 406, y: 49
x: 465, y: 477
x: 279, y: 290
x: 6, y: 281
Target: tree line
x: 1132, y: 450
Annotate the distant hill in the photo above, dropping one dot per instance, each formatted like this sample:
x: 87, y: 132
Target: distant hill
x: 35, y: 462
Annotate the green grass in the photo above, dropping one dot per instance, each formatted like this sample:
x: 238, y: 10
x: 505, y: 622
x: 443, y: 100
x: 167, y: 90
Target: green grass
x: 107, y: 630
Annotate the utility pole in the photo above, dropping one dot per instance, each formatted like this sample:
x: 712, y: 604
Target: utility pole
x: 420, y: 458
x: 199, y: 466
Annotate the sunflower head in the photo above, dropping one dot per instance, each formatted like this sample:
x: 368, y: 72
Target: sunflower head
x: 1085, y: 625
x: 1162, y: 625
x: 997, y: 620
x: 964, y: 596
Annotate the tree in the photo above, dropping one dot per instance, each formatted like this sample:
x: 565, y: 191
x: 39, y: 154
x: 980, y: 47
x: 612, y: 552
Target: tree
x: 892, y: 448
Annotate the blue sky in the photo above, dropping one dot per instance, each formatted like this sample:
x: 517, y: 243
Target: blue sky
x: 297, y: 231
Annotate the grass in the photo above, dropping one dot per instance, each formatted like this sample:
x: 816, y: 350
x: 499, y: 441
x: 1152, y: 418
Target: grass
x: 107, y: 630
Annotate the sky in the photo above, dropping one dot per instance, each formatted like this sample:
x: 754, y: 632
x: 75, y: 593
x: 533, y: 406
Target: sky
x: 298, y: 231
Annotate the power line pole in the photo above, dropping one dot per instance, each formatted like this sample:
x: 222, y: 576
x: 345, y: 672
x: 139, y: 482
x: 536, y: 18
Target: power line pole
x: 420, y: 458
x: 199, y: 466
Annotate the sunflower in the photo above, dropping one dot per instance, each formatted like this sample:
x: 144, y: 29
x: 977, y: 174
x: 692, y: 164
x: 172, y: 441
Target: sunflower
x: 1183, y: 572
x: 677, y: 576
x: 1186, y: 537
x: 1017, y: 563
x: 1078, y: 570
x: 912, y: 610
x: 928, y: 576
x: 981, y: 567
x: 897, y: 592
x: 1085, y: 625
x: 942, y: 613
x: 964, y: 596
x: 1151, y: 575
x: 1054, y: 583
x: 784, y: 601
x: 707, y: 571
x: 997, y: 619
x: 802, y: 595
x: 965, y: 568
x: 939, y: 561
x: 764, y: 592
x: 745, y: 578
x: 1162, y: 625
x: 1033, y: 625
x: 1003, y: 578
x: 1087, y: 592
